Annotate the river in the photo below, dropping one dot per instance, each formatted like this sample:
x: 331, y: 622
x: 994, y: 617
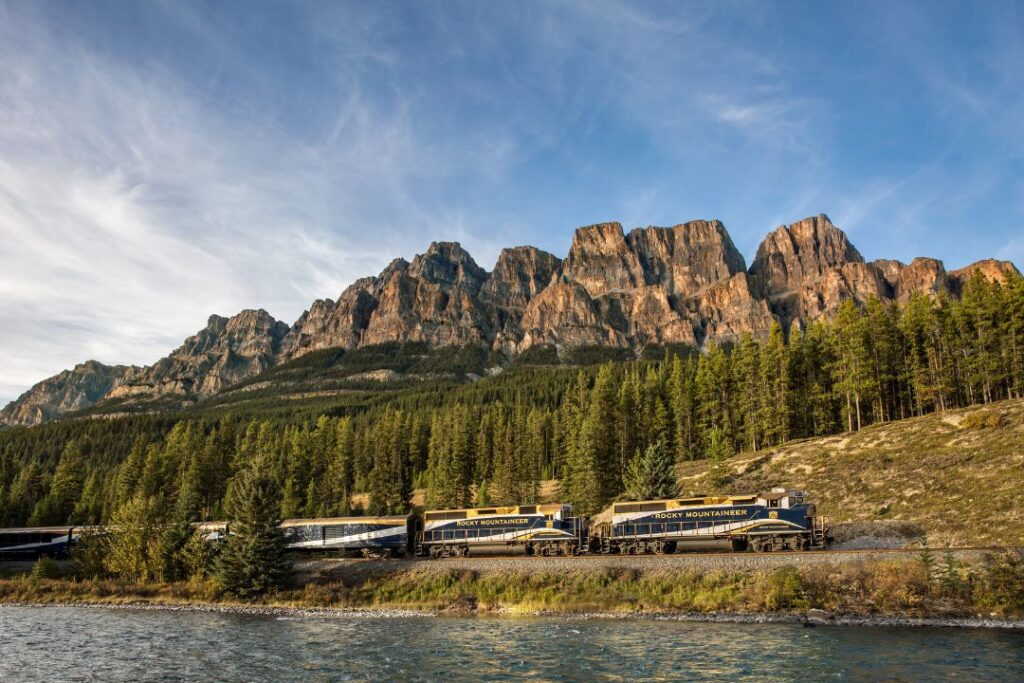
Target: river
x: 88, y: 644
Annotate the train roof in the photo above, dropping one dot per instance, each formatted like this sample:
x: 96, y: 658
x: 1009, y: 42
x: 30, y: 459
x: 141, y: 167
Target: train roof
x: 389, y: 519
x: 43, y: 529
x: 532, y: 509
x: 700, y: 500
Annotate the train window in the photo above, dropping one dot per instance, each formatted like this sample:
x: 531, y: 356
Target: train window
x: 640, y: 507
x: 773, y: 503
x: 490, y: 511
x: 529, y: 510
x: 442, y: 515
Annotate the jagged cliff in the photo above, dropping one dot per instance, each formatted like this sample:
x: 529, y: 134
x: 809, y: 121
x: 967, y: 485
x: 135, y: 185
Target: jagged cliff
x: 686, y: 284
x: 71, y: 390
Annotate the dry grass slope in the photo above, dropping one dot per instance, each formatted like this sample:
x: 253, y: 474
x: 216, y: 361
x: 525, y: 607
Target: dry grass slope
x: 957, y: 476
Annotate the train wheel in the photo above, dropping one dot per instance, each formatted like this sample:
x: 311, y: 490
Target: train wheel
x: 462, y: 551
x: 668, y: 547
x: 528, y: 548
x: 739, y: 545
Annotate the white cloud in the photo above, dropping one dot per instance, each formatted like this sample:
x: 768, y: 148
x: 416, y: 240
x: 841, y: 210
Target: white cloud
x: 130, y: 209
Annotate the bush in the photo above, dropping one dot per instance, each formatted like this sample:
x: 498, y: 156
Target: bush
x: 1001, y: 586
x: 784, y: 588
x: 45, y: 568
x: 982, y: 420
x: 89, y: 554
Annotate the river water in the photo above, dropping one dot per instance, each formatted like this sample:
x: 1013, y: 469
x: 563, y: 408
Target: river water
x: 82, y: 644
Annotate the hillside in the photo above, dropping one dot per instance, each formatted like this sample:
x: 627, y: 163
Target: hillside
x: 956, y: 475
x: 654, y: 287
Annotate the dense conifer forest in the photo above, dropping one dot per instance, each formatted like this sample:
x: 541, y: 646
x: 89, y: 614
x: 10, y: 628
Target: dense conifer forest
x: 606, y: 430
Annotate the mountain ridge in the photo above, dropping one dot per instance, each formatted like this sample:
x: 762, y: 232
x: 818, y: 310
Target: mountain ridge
x: 685, y: 284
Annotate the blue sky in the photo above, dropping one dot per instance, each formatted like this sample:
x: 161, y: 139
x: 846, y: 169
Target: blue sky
x: 162, y: 161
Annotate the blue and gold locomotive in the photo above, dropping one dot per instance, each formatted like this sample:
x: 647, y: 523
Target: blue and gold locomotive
x: 776, y: 520
x: 537, y: 529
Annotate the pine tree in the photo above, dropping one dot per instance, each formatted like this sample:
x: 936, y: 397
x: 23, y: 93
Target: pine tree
x: 291, y: 504
x: 775, y: 380
x: 65, y: 488
x: 651, y: 474
x: 253, y: 560
x: 682, y: 409
x: 854, y: 379
x: 593, y: 477
x: 507, y: 485
x: 130, y: 472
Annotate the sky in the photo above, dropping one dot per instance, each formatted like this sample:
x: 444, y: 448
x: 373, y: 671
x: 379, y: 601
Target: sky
x: 162, y: 161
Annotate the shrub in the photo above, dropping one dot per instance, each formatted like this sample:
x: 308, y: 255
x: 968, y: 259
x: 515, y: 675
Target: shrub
x: 982, y: 420
x: 89, y: 554
x: 1001, y: 586
x: 45, y: 568
x: 784, y: 588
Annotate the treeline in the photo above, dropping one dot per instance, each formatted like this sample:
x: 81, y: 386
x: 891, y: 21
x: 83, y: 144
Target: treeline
x: 602, y: 431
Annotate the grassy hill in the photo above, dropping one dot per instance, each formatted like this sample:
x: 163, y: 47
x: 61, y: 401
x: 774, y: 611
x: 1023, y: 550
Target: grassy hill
x: 957, y: 477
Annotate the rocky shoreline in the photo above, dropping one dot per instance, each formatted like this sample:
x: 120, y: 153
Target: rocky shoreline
x: 809, y: 618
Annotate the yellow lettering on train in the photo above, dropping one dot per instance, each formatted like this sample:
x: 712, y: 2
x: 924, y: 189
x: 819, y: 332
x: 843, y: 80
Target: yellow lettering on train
x: 693, y: 514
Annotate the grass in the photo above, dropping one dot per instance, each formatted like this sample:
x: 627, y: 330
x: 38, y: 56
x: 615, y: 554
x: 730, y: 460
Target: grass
x: 912, y: 587
x: 954, y: 477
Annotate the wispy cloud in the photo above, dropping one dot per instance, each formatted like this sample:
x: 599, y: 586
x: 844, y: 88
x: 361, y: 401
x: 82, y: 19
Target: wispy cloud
x: 130, y: 209
x: 165, y: 161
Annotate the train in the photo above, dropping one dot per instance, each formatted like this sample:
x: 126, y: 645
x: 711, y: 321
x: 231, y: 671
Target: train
x: 775, y: 520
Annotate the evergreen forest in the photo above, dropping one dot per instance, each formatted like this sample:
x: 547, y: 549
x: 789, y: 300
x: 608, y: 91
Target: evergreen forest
x: 605, y: 431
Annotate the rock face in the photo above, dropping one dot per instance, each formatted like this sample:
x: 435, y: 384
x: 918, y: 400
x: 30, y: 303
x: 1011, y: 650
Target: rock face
x: 800, y: 269
x: 75, y: 389
x: 990, y: 268
x: 226, y: 351
x: 685, y: 284
x: 923, y: 275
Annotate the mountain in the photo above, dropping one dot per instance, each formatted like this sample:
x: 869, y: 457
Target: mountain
x: 70, y: 390
x: 654, y: 286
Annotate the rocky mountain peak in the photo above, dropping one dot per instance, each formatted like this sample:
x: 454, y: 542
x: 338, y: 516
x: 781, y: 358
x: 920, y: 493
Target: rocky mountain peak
x: 991, y: 268
x: 802, y: 251
x: 687, y: 257
x: 70, y: 390
x: 448, y: 264
x: 601, y: 261
x: 519, y: 275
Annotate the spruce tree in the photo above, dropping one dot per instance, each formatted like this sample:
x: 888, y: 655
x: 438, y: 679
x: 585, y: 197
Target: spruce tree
x: 651, y: 474
x: 65, y: 488
x: 253, y: 561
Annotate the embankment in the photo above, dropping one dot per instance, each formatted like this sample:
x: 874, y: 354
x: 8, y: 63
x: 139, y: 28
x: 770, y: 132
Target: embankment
x: 966, y: 587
